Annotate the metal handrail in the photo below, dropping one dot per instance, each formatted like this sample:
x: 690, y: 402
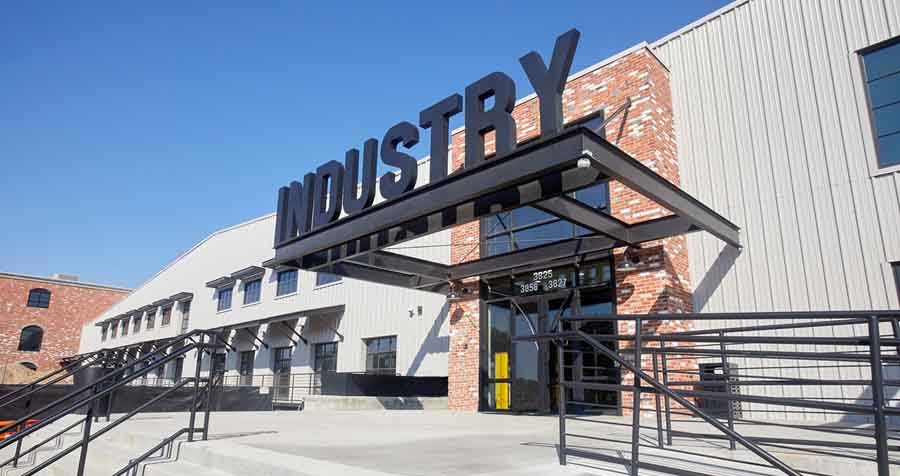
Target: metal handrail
x: 660, y: 387
x: 108, y: 377
x: 91, y: 437
x: 50, y: 438
x: 140, y: 459
x: 868, y: 350
x: 35, y: 387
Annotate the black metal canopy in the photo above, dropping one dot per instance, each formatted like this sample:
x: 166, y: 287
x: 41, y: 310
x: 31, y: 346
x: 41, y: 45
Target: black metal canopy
x: 539, y: 174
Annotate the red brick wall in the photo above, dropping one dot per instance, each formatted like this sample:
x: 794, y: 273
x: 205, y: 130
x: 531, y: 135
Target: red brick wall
x: 71, y: 307
x: 661, y: 282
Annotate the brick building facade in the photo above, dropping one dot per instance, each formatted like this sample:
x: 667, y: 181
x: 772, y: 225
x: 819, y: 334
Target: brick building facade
x: 660, y: 282
x: 58, y: 318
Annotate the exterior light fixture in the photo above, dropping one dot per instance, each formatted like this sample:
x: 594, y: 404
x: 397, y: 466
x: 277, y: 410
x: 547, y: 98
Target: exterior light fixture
x: 585, y: 160
x: 631, y: 258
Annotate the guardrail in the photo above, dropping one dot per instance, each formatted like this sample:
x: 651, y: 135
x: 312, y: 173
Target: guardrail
x: 763, y: 358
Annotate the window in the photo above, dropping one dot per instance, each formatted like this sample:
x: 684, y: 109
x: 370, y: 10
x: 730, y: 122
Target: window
x: 151, y: 319
x: 178, y: 370
x: 39, y: 297
x: 251, y: 291
x: 326, y: 357
x: 896, y: 267
x: 281, y: 368
x: 125, y: 327
x: 527, y: 227
x: 137, y: 325
x: 114, y: 329
x: 104, y: 330
x: 381, y: 355
x: 29, y: 365
x: 246, y: 369
x: 224, y: 296
x: 166, y: 316
x: 882, y: 71
x: 185, y: 316
x: 327, y: 278
x: 287, y: 282
x: 30, y: 339
x: 218, y: 364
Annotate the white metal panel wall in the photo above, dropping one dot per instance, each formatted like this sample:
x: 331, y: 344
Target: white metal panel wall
x: 773, y: 132
x: 370, y: 310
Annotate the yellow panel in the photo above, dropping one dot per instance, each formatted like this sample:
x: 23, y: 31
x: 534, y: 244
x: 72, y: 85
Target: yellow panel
x: 501, y: 390
x: 501, y: 365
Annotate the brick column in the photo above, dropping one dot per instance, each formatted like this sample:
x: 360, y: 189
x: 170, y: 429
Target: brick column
x: 661, y: 282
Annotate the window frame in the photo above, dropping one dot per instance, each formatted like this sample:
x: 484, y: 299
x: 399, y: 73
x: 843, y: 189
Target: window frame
x: 380, y: 370
x: 40, y: 338
x: 896, y: 268
x: 38, y: 301
x: 165, y: 316
x: 185, y: 307
x: 321, y: 356
x: 278, y: 283
x: 150, y: 317
x: 220, y: 307
x: 104, y: 332
x: 875, y: 165
x: 512, y: 228
x: 258, y: 291
x: 124, y: 331
x: 335, y: 279
x: 243, y: 371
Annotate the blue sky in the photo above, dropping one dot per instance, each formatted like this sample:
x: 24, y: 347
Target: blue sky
x: 131, y: 130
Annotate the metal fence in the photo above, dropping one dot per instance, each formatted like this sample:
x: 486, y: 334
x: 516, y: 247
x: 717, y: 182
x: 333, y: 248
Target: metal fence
x: 742, y: 371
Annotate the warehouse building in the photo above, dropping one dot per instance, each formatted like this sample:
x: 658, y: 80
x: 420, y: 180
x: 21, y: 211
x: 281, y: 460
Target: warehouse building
x: 778, y: 119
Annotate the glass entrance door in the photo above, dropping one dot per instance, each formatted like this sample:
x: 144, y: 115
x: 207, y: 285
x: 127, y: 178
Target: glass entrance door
x: 524, y: 375
x: 520, y: 375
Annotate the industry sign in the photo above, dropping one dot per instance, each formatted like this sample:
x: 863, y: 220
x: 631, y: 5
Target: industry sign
x: 318, y: 200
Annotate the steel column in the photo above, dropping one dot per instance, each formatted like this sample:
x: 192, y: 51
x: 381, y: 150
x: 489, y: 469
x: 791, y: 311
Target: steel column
x: 726, y: 374
x: 659, y: 431
x: 636, y: 405
x: 881, y: 437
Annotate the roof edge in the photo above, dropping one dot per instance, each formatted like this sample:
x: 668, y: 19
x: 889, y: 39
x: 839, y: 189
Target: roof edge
x: 63, y: 282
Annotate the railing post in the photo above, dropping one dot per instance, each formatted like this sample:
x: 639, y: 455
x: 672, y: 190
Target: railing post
x: 85, y: 439
x: 668, y: 403
x: 659, y: 431
x: 560, y: 354
x: 726, y: 374
x: 636, y: 405
x: 209, y: 386
x: 18, y: 446
x: 881, y: 439
x: 895, y: 326
x: 193, y: 419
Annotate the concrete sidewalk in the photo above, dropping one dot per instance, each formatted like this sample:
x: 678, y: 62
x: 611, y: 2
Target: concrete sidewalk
x: 419, y: 443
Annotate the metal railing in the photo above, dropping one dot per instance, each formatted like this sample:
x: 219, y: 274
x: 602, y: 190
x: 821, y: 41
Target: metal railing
x: 122, y: 369
x: 765, y: 361
x: 285, y: 389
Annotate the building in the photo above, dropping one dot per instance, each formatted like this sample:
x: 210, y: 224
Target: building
x: 41, y: 318
x: 783, y: 117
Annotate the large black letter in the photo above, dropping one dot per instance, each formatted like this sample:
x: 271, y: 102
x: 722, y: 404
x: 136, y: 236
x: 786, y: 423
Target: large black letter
x: 329, y: 189
x: 366, y: 187
x: 294, y: 209
x: 499, y: 118
x: 549, y: 84
x: 437, y: 118
x: 408, y: 135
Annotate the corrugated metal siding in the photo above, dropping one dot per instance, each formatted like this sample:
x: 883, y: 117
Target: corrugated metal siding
x: 773, y: 132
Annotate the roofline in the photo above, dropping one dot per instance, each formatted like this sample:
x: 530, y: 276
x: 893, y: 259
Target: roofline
x: 64, y: 282
x: 696, y: 23
x: 590, y: 69
x: 199, y: 243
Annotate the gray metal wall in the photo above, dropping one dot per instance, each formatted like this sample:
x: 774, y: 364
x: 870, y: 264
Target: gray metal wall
x: 774, y: 133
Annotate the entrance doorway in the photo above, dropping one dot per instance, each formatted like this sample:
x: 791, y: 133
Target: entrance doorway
x: 523, y: 375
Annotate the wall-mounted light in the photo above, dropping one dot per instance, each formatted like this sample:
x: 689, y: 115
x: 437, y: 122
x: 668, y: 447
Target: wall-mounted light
x: 630, y: 259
